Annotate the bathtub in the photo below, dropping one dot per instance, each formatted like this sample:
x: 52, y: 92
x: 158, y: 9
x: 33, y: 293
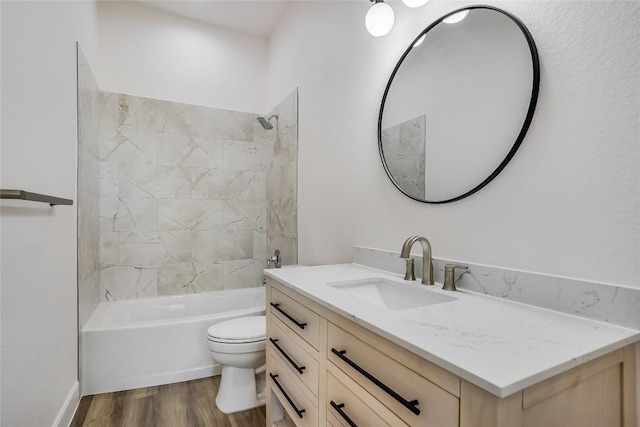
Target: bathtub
x: 146, y: 342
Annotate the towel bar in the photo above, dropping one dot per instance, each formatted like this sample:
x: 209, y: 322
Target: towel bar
x: 34, y: 197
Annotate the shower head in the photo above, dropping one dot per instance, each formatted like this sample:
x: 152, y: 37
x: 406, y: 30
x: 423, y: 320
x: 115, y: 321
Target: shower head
x: 266, y: 122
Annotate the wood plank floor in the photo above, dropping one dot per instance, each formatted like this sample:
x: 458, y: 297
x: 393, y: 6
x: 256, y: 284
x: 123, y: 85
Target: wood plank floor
x: 188, y: 404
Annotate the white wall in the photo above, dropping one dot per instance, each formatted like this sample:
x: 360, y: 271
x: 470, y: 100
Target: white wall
x: 567, y: 204
x: 154, y: 54
x: 38, y: 135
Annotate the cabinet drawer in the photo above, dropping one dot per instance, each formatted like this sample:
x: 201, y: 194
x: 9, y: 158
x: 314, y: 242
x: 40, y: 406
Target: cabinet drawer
x: 391, y: 382
x: 344, y: 405
x: 292, y: 355
x: 332, y: 421
x: 291, y: 394
x: 296, y: 316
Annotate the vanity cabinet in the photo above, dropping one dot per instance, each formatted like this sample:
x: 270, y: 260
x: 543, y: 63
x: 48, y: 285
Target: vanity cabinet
x: 294, y: 365
x: 326, y: 370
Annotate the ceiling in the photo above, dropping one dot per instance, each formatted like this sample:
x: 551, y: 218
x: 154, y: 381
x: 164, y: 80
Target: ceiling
x: 256, y: 17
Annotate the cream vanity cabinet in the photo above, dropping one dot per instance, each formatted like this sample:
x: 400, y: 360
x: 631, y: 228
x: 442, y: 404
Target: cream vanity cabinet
x: 325, y: 370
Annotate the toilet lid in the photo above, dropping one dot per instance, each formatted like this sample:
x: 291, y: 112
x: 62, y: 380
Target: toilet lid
x: 240, y: 330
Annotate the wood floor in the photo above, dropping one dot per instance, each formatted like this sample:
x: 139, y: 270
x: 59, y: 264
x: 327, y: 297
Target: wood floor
x: 189, y: 403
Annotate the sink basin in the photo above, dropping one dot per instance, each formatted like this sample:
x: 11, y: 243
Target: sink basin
x: 391, y: 295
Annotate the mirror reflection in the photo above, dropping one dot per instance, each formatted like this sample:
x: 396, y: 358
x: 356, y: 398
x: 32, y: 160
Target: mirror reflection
x: 458, y: 104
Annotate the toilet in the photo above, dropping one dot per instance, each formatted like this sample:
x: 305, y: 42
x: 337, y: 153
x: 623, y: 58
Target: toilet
x: 239, y: 346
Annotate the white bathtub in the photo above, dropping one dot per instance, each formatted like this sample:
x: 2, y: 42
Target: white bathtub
x: 147, y: 342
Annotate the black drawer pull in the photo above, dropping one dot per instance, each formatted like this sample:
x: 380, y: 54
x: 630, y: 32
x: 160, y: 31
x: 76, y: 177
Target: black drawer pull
x: 298, y: 411
x: 338, y: 408
x: 409, y: 405
x: 288, y: 316
x: 300, y: 369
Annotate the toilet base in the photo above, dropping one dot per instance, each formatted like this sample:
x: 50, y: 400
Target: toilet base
x: 238, y: 390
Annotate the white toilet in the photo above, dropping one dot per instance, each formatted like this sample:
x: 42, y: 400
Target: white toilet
x: 239, y: 346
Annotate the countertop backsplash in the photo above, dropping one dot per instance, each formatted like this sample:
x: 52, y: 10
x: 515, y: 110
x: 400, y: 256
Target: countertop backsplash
x: 618, y: 305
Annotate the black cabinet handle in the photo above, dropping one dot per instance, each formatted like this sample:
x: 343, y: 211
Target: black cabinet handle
x: 300, y: 369
x: 409, y: 405
x: 298, y: 411
x: 288, y: 316
x: 338, y: 408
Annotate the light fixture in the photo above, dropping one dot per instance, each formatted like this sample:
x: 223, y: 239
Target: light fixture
x: 456, y: 17
x: 414, y: 3
x: 379, y: 19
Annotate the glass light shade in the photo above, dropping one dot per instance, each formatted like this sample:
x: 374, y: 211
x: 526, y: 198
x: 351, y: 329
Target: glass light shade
x: 414, y: 3
x: 379, y: 19
x: 456, y: 17
x: 420, y: 40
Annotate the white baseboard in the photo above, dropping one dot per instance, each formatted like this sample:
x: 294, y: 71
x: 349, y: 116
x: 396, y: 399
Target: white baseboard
x: 68, y: 410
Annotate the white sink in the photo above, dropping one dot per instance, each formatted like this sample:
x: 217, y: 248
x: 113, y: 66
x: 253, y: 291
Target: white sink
x: 391, y: 295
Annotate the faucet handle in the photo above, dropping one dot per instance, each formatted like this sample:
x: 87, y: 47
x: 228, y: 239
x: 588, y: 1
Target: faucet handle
x: 410, y: 270
x: 449, y: 280
x: 275, y: 260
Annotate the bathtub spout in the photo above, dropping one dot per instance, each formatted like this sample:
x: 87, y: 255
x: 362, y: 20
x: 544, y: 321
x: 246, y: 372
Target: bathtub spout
x: 261, y: 369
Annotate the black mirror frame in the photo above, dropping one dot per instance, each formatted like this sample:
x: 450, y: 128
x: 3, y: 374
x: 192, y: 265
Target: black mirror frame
x: 525, y: 126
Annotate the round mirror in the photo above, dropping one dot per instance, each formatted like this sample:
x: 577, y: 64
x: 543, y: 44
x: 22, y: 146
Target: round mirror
x: 458, y: 104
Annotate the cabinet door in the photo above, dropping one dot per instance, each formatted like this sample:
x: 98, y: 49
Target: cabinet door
x: 587, y: 397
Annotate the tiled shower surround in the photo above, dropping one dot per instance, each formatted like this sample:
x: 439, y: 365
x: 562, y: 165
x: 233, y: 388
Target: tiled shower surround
x: 88, y: 191
x: 404, y: 146
x: 193, y: 199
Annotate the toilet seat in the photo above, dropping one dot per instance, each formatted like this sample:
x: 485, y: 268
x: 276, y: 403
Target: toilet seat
x: 245, y: 347
x: 242, y: 335
x: 237, y: 331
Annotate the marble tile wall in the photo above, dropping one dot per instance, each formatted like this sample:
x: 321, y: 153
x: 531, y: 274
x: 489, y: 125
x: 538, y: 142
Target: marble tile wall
x: 88, y: 190
x: 282, y: 180
x: 408, y: 170
x: 185, y: 204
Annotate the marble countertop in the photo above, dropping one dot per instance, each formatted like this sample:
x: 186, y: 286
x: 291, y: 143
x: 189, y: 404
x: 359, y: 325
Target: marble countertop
x: 498, y: 345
